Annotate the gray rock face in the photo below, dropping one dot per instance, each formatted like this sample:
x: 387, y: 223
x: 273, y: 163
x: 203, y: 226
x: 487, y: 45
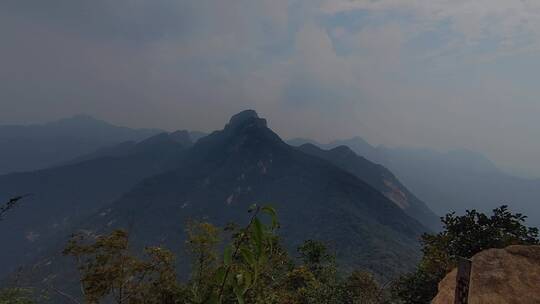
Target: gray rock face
x: 510, y: 276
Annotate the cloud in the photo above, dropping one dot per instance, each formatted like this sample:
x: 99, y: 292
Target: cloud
x: 444, y: 74
x: 510, y: 26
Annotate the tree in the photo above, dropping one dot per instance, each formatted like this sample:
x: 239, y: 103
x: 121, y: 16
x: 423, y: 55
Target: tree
x: 246, y: 260
x: 202, y: 241
x: 360, y: 287
x: 315, y: 256
x: 109, y: 271
x: 462, y: 236
x: 253, y: 268
x: 16, y: 296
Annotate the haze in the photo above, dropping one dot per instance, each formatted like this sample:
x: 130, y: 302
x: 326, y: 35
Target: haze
x: 420, y: 73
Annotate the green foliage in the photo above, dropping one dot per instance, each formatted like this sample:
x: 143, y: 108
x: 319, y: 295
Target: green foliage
x: 253, y: 268
x: 247, y: 259
x: 202, y: 242
x: 473, y: 232
x: 462, y: 236
x: 16, y: 296
x: 109, y: 271
x: 315, y: 256
x: 362, y: 288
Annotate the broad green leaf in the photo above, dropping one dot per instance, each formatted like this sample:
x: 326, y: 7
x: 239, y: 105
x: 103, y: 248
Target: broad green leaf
x: 227, y: 256
x: 220, y: 274
x: 273, y: 215
x: 239, y: 296
x: 263, y: 258
x: 247, y: 282
x: 248, y: 256
x: 258, y: 234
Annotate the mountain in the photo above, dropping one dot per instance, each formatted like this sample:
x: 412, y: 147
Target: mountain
x: 155, y: 143
x: 451, y: 181
x: 196, y: 135
x: 61, y: 196
x: 460, y: 180
x: 225, y: 172
x: 357, y: 144
x: 379, y: 178
x: 32, y: 147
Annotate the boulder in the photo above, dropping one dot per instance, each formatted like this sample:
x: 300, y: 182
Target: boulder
x: 510, y: 276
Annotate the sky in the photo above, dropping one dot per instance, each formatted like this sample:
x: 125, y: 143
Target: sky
x: 443, y: 74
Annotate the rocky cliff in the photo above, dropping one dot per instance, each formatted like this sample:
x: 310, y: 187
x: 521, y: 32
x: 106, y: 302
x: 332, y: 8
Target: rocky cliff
x: 510, y: 275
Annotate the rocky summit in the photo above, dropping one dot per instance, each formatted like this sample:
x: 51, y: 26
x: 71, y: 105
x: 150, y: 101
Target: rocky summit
x: 499, y: 276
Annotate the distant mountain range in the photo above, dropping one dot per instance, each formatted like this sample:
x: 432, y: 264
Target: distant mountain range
x: 316, y: 193
x: 63, y: 195
x: 366, y: 202
x: 451, y: 181
x: 38, y: 146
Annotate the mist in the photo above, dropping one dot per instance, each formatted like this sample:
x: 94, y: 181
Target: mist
x: 443, y: 75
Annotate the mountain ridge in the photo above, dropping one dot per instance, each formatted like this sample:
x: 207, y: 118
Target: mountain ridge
x: 222, y: 174
x: 380, y: 178
x: 454, y: 180
x: 39, y: 146
x: 65, y: 194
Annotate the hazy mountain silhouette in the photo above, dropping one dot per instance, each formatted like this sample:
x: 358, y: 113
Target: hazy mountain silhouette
x: 379, y: 178
x: 155, y: 143
x: 451, y: 181
x: 460, y: 180
x: 357, y: 144
x: 64, y: 195
x: 225, y: 172
x: 38, y: 146
x: 196, y: 135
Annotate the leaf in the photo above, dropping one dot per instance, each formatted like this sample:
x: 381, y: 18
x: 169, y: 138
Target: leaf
x: 273, y: 215
x: 252, y: 208
x: 258, y: 234
x: 220, y: 274
x: 227, y: 256
x: 247, y: 282
x: 214, y: 299
x: 263, y: 259
x: 239, y: 296
x: 248, y: 256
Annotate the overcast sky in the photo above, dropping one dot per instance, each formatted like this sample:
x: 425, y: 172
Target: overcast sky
x: 423, y: 73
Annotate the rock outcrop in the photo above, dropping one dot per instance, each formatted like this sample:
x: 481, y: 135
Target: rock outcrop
x: 510, y: 275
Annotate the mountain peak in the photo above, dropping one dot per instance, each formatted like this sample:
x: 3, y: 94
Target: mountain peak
x: 182, y: 137
x: 344, y: 151
x: 245, y: 116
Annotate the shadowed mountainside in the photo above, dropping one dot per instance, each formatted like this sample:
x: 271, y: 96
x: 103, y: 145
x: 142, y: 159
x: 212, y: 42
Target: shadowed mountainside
x: 61, y: 196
